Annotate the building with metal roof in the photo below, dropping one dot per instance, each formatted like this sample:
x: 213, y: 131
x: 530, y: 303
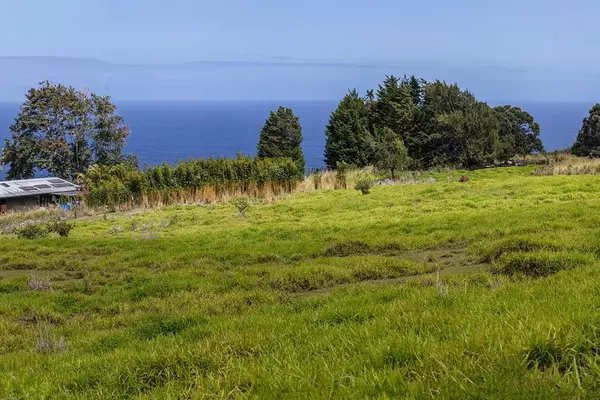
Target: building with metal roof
x: 26, y: 194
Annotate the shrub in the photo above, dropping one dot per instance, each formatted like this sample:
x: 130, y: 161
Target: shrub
x: 32, y: 232
x: 364, y: 185
x: 115, y: 230
x: 62, y: 228
x: 241, y: 204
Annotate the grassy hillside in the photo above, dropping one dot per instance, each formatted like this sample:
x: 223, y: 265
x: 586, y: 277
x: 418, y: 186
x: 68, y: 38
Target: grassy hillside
x: 327, y: 294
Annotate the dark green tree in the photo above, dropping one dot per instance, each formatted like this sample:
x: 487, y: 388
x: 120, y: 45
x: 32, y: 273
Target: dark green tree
x: 471, y: 134
x: 389, y: 152
x: 20, y: 153
x: 281, y: 137
x: 347, y: 133
x: 518, y: 134
x: 415, y: 86
x: 434, y: 145
x: 109, y: 132
x: 63, y: 131
x: 394, y: 107
x: 588, y: 139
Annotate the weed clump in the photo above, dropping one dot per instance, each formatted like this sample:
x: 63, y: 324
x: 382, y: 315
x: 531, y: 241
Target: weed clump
x: 62, y: 228
x: 39, y: 284
x: 441, y: 288
x: 241, y: 204
x: 32, y: 232
x: 115, y: 230
x: 567, y: 352
x: 157, y: 326
x: 346, y: 249
x: 540, y: 264
x: 49, y: 344
x: 363, y: 185
x: 515, y: 245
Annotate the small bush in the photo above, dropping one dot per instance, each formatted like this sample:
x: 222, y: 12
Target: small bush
x: 32, y: 232
x: 168, y: 222
x: 62, y: 228
x: 364, y: 186
x: 115, y: 230
x: 241, y: 204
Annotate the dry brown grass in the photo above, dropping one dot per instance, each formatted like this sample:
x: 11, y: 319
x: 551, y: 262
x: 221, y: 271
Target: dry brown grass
x: 567, y: 164
x: 331, y: 180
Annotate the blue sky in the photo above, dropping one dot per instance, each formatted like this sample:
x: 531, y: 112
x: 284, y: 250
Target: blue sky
x: 550, y: 41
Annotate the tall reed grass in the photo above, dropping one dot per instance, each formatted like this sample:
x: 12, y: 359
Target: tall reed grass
x: 195, y: 181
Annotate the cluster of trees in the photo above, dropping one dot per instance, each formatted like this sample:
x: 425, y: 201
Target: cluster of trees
x: 71, y: 133
x: 411, y: 122
x: 64, y: 131
x: 406, y: 123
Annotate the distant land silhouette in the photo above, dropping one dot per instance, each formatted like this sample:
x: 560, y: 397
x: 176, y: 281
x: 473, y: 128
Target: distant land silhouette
x: 270, y: 78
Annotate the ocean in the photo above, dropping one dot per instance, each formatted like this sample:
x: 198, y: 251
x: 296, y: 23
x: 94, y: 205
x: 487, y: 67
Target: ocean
x: 173, y: 131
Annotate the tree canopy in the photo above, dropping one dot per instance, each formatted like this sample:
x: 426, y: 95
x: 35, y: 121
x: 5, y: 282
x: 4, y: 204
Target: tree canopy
x: 518, y: 132
x: 281, y: 137
x: 437, y: 123
x: 389, y: 152
x: 347, y: 132
x: 588, y: 139
x: 63, y: 131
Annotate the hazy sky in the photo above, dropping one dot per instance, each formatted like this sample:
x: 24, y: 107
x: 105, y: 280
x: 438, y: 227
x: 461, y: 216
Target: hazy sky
x: 504, y: 33
x: 510, y: 49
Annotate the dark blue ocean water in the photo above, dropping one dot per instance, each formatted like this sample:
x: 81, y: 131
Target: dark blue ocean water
x: 172, y: 131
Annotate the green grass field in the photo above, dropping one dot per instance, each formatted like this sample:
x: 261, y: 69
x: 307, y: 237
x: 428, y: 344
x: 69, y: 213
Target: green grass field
x: 328, y: 294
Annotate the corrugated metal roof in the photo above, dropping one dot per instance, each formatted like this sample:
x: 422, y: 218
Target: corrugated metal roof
x: 34, y: 187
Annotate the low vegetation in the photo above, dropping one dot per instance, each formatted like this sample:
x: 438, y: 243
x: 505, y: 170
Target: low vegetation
x: 424, y: 288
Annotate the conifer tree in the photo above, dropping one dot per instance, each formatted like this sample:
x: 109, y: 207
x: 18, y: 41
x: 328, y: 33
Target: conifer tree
x: 588, y: 139
x: 281, y: 136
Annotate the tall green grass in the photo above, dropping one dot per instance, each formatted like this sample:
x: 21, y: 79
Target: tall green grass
x: 320, y: 294
x: 201, y: 180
